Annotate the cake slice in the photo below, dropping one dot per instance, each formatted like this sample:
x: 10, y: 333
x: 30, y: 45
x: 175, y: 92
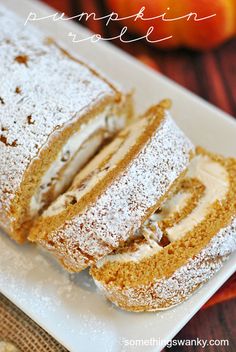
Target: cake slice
x: 116, y: 192
x: 181, y: 245
x: 55, y: 112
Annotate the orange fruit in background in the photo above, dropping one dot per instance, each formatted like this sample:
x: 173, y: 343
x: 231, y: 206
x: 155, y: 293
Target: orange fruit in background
x: 200, y: 35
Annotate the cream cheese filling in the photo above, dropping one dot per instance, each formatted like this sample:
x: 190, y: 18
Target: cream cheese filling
x: 96, y: 170
x: 215, y: 179
x: 85, y: 152
x: 144, y: 250
x: 79, y: 148
x: 171, y: 206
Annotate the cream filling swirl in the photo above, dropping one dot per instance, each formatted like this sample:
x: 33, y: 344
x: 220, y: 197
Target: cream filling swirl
x: 79, y: 148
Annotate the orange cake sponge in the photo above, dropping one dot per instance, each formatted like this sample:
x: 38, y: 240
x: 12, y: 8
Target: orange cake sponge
x: 181, y: 245
x: 116, y: 192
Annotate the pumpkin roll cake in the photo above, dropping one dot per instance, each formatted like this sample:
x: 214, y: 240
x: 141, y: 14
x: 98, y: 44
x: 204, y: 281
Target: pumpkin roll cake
x: 55, y: 113
x: 116, y: 192
x: 181, y: 245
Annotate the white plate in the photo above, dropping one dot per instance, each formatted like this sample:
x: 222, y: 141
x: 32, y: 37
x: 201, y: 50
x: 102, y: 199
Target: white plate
x: 68, y: 306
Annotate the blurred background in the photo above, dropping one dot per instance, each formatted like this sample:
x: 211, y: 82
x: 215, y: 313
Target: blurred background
x: 200, y: 56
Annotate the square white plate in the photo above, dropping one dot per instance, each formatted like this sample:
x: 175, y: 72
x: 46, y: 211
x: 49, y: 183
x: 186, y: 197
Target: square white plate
x: 68, y: 306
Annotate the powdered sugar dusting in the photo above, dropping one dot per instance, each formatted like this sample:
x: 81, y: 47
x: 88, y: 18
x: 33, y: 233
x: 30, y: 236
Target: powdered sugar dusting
x: 118, y: 211
x: 41, y: 90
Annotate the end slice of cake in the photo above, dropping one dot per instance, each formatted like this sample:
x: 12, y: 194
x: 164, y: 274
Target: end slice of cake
x: 55, y: 113
x: 181, y: 245
x: 116, y: 192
